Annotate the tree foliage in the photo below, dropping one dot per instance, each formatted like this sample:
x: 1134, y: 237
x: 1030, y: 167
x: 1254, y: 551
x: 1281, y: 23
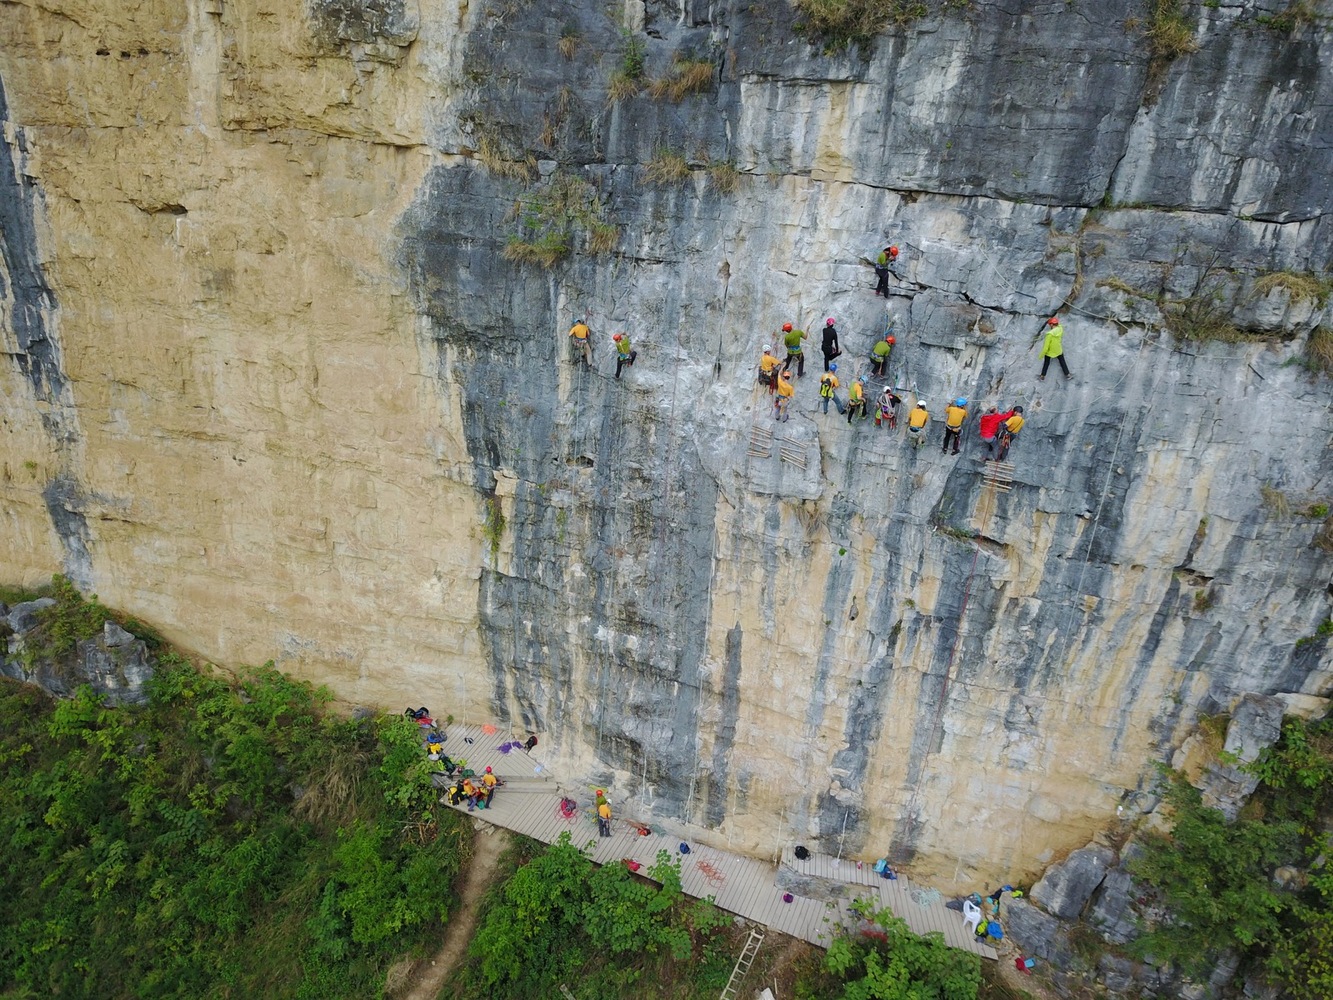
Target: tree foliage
x: 171, y: 850
x: 893, y: 963
x: 560, y: 918
x: 1213, y: 881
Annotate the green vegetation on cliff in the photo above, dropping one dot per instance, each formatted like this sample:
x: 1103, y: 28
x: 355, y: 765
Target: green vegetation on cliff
x: 227, y: 839
x: 1261, y: 885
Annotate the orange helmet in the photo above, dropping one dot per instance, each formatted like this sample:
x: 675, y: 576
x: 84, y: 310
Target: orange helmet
x: 1053, y: 321
x: 891, y: 340
x: 893, y: 251
x: 615, y: 336
x: 786, y: 328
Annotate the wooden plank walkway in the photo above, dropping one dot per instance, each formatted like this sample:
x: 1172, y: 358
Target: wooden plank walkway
x: 530, y: 804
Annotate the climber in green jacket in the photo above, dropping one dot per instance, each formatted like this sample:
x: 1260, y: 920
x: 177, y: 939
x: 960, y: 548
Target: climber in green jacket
x: 795, y: 352
x: 879, y: 355
x: 1053, y: 348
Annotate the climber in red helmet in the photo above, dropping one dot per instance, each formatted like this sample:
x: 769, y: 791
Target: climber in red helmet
x: 883, y: 263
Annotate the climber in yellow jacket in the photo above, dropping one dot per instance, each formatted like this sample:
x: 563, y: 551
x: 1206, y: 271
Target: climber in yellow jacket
x: 783, y: 399
x: 856, y: 399
x: 1009, y: 430
x: 767, y: 365
x: 954, y: 415
x: 579, y: 337
x: 916, y: 423
x: 1053, y: 347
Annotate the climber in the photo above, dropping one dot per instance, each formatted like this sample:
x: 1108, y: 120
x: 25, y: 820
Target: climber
x: 828, y: 382
x: 1008, y: 431
x: 470, y: 792
x: 879, y: 355
x: 1053, y: 348
x: 882, y: 264
x: 887, y: 408
x: 792, y: 338
x: 625, y: 355
x: 830, y: 347
x: 604, y: 818
x: 767, y: 363
x: 456, y: 793
x: 856, y: 399
x: 990, y: 426
x: 954, y: 415
x: 916, y: 423
x: 783, y: 399
x: 579, y: 336
x: 489, y: 781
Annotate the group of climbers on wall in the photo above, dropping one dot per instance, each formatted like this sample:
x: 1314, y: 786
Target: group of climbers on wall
x: 581, y: 337
x: 996, y: 429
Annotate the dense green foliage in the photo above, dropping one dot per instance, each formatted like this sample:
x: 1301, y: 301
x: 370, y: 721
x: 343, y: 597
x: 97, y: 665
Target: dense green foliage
x: 560, y: 919
x: 228, y: 839
x: 893, y: 963
x: 1215, y: 879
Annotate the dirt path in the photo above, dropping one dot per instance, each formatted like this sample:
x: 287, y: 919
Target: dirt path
x: 428, y: 979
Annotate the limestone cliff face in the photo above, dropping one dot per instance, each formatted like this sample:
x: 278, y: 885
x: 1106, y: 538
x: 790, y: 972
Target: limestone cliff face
x: 273, y: 383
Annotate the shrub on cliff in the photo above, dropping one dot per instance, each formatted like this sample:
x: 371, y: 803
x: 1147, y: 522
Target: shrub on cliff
x: 1260, y: 885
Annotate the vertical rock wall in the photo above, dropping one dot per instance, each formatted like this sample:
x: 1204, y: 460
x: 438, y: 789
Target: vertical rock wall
x: 317, y: 413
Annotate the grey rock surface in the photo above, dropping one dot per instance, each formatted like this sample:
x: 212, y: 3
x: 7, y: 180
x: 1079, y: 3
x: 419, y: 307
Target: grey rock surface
x: 670, y: 601
x: 115, y: 664
x: 22, y: 617
x: 1065, y: 888
x: 1256, y: 723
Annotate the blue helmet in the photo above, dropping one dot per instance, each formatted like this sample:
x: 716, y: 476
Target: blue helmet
x: 961, y: 401
x: 833, y: 368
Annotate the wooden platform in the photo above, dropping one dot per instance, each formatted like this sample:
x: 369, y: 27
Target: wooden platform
x: 530, y: 804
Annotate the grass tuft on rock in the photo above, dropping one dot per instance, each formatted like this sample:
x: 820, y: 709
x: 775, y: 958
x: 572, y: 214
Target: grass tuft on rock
x: 688, y: 75
x: 667, y: 168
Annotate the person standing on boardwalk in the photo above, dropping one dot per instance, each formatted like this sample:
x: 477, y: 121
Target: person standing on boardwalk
x: 1053, y: 347
x: 882, y: 264
x: 879, y: 355
x: 625, y: 355
x: 579, y: 336
x: 856, y: 399
x: 768, y: 364
x: 830, y: 345
x: 828, y: 382
x: 783, y: 399
x: 990, y: 427
x: 792, y: 339
x: 916, y: 423
x: 604, y: 819
x: 954, y: 415
x: 886, y: 410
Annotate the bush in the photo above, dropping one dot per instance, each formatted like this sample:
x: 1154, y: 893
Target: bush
x: 898, y: 963
x: 1214, y: 878
x: 167, y: 849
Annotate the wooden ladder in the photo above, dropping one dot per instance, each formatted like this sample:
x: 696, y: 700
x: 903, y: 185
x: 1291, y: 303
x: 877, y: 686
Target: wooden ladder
x: 1000, y: 475
x: 743, y: 963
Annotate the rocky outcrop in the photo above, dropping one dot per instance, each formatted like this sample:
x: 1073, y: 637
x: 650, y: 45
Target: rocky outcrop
x: 282, y: 377
x: 115, y: 664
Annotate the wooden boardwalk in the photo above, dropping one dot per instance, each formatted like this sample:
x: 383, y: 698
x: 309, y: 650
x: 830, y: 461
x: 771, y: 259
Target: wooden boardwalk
x: 530, y: 804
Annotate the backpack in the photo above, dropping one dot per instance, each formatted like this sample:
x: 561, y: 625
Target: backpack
x: 802, y: 852
x: 826, y: 387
